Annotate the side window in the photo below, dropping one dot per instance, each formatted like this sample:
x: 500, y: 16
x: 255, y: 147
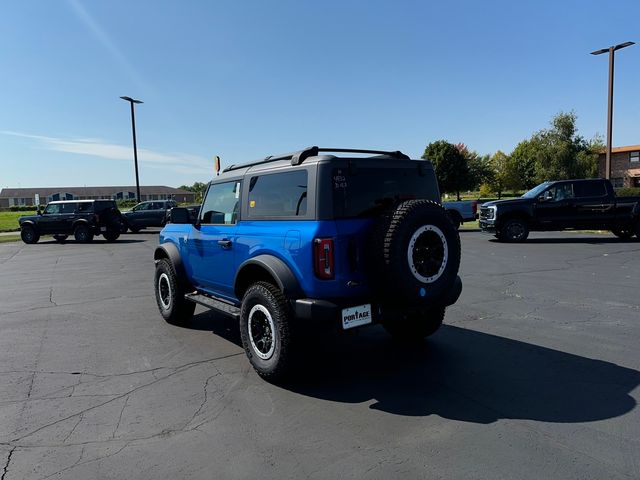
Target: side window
x: 221, y: 205
x: 84, y: 207
x: 278, y: 195
x: 590, y: 189
x: 143, y: 206
x: 53, y: 208
x: 69, y: 207
x: 562, y: 191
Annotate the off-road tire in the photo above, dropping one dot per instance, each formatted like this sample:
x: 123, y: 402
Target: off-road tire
x: 455, y: 218
x: 514, y: 230
x: 416, y: 254
x: 82, y: 234
x: 29, y: 235
x: 60, y: 238
x: 169, y: 291
x: 414, y: 326
x: 265, y: 304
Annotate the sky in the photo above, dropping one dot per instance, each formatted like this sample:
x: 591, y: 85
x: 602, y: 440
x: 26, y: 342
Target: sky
x: 248, y: 79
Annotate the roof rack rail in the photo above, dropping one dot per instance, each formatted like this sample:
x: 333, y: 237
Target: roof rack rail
x: 298, y: 157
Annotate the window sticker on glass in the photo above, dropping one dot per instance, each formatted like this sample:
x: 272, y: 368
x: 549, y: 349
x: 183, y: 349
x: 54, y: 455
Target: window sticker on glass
x: 339, y: 180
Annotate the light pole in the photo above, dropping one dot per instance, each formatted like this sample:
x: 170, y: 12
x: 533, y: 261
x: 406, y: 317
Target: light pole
x: 611, y: 50
x: 135, y: 147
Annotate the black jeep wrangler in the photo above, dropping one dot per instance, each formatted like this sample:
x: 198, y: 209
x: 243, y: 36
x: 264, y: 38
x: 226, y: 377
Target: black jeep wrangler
x: 82, y: 218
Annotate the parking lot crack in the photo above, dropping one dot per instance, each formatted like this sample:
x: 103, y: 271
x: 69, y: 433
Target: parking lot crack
x: 115, y: 430
x: 5, y: 469
x: 175, y: 371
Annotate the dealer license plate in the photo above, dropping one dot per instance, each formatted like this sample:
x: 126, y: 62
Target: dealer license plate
x: 356, y: 316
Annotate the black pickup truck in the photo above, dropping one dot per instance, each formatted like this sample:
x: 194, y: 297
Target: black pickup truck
x: 563, y: 205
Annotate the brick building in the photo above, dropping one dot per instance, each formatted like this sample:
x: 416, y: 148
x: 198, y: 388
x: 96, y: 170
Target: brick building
x: 625, y: 166
x: 10, y: 197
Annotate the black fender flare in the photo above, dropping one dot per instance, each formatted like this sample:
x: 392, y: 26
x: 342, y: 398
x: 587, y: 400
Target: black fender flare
x: 276, y: 268
x: 81, y: 221
x: 169, y: 251
x: 31, y: 223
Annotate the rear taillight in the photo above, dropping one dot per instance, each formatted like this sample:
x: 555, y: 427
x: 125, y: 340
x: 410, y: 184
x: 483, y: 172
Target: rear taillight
x: 323, y: 258
x: 96, y: 217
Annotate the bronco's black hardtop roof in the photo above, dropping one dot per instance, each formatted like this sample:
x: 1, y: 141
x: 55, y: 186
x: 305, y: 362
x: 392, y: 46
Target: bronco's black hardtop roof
x: 300, y: 156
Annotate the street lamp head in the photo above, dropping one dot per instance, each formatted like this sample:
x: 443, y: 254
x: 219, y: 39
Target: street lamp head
x: 129, y: 99
x: 613, y: 48
x: 623, y: 45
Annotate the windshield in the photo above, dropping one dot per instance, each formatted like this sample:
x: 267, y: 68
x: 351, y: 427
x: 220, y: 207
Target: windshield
x: 535, y: 191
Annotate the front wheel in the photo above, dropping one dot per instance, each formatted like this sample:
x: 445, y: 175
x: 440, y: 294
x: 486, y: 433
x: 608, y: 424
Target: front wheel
x: 265, y: 319
x: 170, y: 291
x: 29, y: 234
x: 414, y: 326
x: 514, y: 230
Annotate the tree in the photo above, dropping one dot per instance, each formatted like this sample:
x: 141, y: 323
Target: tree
x: 450, y: 165
x: 500, y: 166
x: 556, y: 153
x: 521, y: 166
x: 478, y: 167
x: 198, y: 188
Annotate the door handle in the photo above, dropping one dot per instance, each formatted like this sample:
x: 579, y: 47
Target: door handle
x: 225, y: 243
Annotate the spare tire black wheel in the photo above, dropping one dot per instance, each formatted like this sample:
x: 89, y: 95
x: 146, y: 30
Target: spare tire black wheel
x: 419, y: 249
x: 82, y: 234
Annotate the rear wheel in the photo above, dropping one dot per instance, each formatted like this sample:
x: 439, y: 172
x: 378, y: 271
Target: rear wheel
x: 170, y: 290
x: 514, y: 230
x: 82, y: 234
x: 29, y: 234
x: 265, y: 319
x: 414, y: 326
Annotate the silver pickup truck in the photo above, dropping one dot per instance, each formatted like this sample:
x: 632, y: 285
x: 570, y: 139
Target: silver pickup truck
x: 460, y: 212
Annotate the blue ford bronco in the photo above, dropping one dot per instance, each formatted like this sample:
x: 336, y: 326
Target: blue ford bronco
x: 335, y: 237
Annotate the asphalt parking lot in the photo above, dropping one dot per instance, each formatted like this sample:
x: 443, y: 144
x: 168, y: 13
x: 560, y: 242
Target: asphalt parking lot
x: 534, y: 376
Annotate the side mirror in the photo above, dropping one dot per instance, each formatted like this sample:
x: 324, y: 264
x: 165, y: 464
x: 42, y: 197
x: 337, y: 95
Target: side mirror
x: 38, y: 211
x: 179, y: 215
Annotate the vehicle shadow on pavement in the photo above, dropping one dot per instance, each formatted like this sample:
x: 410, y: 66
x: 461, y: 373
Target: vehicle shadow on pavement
x: 217, y: 323
x: 585, y: 240
x: 465, y: 375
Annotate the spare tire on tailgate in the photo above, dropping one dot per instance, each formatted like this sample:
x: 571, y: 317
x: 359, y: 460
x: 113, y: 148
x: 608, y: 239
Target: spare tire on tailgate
x: 416, y: 254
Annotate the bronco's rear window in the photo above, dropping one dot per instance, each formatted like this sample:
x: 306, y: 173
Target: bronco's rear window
x: 369, y: 190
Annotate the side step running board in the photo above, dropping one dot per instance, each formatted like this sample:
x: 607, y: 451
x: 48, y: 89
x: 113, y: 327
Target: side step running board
x: 214, y: 304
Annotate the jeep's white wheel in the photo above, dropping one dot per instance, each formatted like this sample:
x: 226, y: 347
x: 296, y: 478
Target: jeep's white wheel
x: 265, y: 319
x: 261, y: 331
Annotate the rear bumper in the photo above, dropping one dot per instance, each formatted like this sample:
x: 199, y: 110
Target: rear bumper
x: 331, y: 310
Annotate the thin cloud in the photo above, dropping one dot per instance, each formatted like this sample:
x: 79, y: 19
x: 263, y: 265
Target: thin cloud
x: 177, y: 162
x: 101, y: 35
